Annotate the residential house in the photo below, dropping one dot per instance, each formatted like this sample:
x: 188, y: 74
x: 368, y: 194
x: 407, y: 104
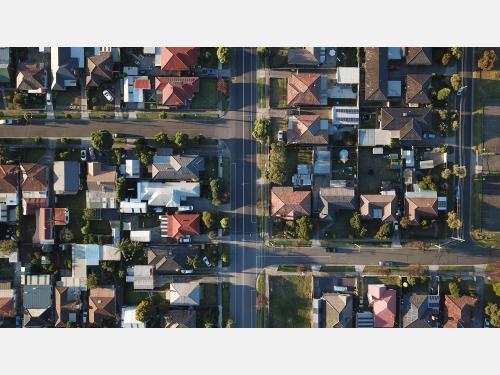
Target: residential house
x: 67, y: 305
x: 8, y: 184
x: 419, y: 310
x: 335, y: 198
x: 345, y: 116
x: 66, y: 177
x: 419, y: 56
x: 185, y: 293
x: 47, y: 219
x: 176, y: 91
x: 290, y: 204
x: 133, y: 206
x: 304, y: 56
x: 128, y: 319
x: 306, y: 89
x: 7, y: 301
x: 347, y: 75
x: 379, y: 206
x: 421, y: 204
x: 99, y: 69
x: 134, y: 86
x: 180, y: 319
x: 102, y: 305
x: 32, y: 78
x: 65, y: 63
x: 178, y: 59
x: 37, y: 301
x: 376, y: 75
x: 131, y: 168
x: 4, y: 65
x: 171, y: 259
x: 176, y: 167
x: 459, y: 312
x: 140, y: 236
x: 34, y: 186
x: 417, y: 89
x: 406, y: 124
x: 182, y: 225
x: 307, y: 130
x: 101, y: 185
x: 167, y: 194
x: 337, y: 310
x: 383, y: 301
x: 364, y: 319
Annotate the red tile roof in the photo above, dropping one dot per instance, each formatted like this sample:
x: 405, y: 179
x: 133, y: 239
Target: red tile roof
x: 304, y: 89
x: 34, y: 177
x: 7, y: 309
x: 8, y: 178
x: 45, y: 224
x: 60, y: 216
x: 383, y: 301
x: 181, y: 225
x: 176, y: 90
x: 142, y: 84
x: 102, y: 305
x: 178, y: 58
x: 290, y: 204
x: 31, y: 204
x: 458, y: 311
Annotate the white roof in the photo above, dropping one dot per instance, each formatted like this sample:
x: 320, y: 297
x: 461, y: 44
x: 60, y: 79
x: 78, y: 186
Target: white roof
x: 185, y: 293
x: 348, y: 75
x: 131, y: 94
x: 143, y: 277
x: 140, y: 235
x: 133, y: 206
x: 128, y: 318
x: 427, y: 164
x: 108, y: 252
x: 341, y: 92
x: 169, y: 194
x: 374, y: 137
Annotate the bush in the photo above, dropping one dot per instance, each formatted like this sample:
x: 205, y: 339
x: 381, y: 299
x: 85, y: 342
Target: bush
x: 455, y: 81
x: 181, y: 139
x: 264, y: 51
x: 262, y: 129
x: 86, y: 229
x: 162, y: 138
x: 92, y: 281
x: 120, y: 188
x: 443, y: 94
x: 459, y: 171
x: 454, y: 289
x: 144, y: 311
x: 496, y: 288
x: 355, y: 221
x: 215, y: 191
x: 487, y: 60
x: 208, y: 219
x: 456, y: 52
x: 277, y: 170
x: 303, y: 228
x: 163, y: 115
x: 384, y: 232
x: 446, y: 173
x: 225, y: 223
x: 453, y: 220
x: 445, y: 59
x: 224, y: 54
x: 212, y: 234
x: 102, y: 140
x: 427, y: 183
x: 404, y: 222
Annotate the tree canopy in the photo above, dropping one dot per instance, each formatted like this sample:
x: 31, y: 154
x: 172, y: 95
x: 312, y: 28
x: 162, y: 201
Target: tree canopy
x: 384, y: 232
x: 208, y: 219
x: 224, y: 54
x: 303, y: 228
x: 493, y: 311
x: 7, y: 247
x: 261, y: 129
x: 443, y: 93
x: 181, y: 139
x: 277, y: 170
x: 102, y: 140
x: 487, y: 60
x: 453, y: 220
x: 144, y: 311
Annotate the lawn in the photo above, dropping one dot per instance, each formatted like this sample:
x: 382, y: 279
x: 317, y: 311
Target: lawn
x: 372, y: 171
x: 487, y: 239
x: 456, y: 269
x: 76, y: 204
x: 341, y: 170
x: 295, y: 156
x: 206, y: 98
x: 294, y: 268
x: 73, y: 154
x: 337, y: 269
x: 27, y: 155
x: 489, y: 294
x: 64, y: 99
x: 208, y: 57
x: 208, y: 294
x: 477, y: 184
x: 477, y: 129
x: 370, y: 123
x: 149, y: 221
x: 261, y: 92
x: 132, y: 297
x: 226, y: 303
x: 290, y: 301
x: 278, y: 93
x: 341, y: 228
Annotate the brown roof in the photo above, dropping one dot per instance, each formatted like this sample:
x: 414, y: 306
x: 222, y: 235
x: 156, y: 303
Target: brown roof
x: 102, y: 305
x: 304, y: 89
x: 421, y: 207
x: 8, y: 178
x: 65, y: 304
x: 378, y: 206
x: 306, y: 129
x: 417, y: 87
x: 458, y: 312
x: 290, y: 204
x: 178, y: 58
x: 419, y: 56
x: 99, y: 69
x: 175, y: 91
x: 30, y: 77
x: 180, y: 319
x: 34, y: 177
x: 407, y: 124
x: 45, y: 224
x: 7, y: 308
x: 60, y: 216
x: 181, y: 225
x: 376, y: 74
x: 101, y: 177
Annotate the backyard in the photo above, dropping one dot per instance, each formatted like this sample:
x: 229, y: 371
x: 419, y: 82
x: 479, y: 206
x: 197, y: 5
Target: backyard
x: 295, y: 156
x: 278, y: 93
x: 76, y: 204
x: 206, y: 98
x: 290, y: 301
x: 372, y: 171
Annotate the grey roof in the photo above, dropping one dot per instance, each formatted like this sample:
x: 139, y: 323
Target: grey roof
x: 414, y: 309
x: 170, y: 259
x: 337, y: 198
x: 302, y: 56
x: 66, y: 68
x: 409, y: 122
x: 37, y: 296
x: 176, y: 167
x: 338, y: 310
x: 66, y: 176
x: 376, y: 74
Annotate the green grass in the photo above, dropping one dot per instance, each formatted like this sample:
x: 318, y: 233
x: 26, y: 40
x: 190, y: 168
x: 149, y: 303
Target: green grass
x: 370, y: 184
x: 261, y: 282
x: 295, y: 156
x: 226, y: 173
x: 149, y: 221
x: 282, y: 242
x: 226, y: 303
x: 64, y: 115
x: 467, y: 287
x: 456, y: 268
x: 208, y: 295
x: 477, y: 129
x: 477, y: 184
x: 290, y: 301
x: 76, y: 204
x: 27, y: 155
x: 278, y: 93
x: 261, y: 92
x: 403, y: 270
x: 206, y: 98
x: 148, y: 115
x: 487, y: 239
x: 132, y: 297
x: 337, y: 269
x: 294, y: 268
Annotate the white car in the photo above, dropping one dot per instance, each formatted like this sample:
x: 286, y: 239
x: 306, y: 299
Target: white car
x: 7, y: 121
x: 207, y: 262
x: 186, y: 272
x: 186, y: 239
x: 185, y: 208
x: 83, y: 155
x: 281, y: 136
x: 108, y: 96
x: 49, y: 98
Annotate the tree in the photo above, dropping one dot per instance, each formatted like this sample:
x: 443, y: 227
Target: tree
x: 459, y: 170
x: 264, y: 51
x: 395, y: 143
x: 384, y: 232
x: 363, y: 232
x: 224, y: 54
x: 412, y: 281
x: 493, y: 311
x: 496, y: 288
x: 208, y: 219
x: 102, y: 140
x: 446, y: 173
x: 404, y: 222
x: 262, y: 129
x: 445, y: 59
x: 456, y: 52
x: 427, y: 183
x: 181, y: 139
x: 212, y: 235
x: 355, y: 221
x: 70, y: 324
x: 224, y: 223
x: 229, y: 323
x: 85, y: 229
x: 26, y: 116
x: 303, y: 228
x: 7, y: 247
x: 144, y: 311
x: 455, y: 124
x: 277, y: 170
x: 193, y: 261
x: 443, y: 93
x: 120, y: 188
x: 209, y: 324
x: 107, y: 266
x: 455, y: 81
x: 215, y: 191
x: 222, y: 86
x: 3, y: 154
x: 92, y: 281
x: 454, y: 289
x: 453, y: 220
x: 131, y: 251
x: 487, y: 60
x: 162, y: 138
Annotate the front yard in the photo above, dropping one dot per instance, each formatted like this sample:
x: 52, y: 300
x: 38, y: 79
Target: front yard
x: 277, y: 93
x: 290, y: 301
x: 206, y: 98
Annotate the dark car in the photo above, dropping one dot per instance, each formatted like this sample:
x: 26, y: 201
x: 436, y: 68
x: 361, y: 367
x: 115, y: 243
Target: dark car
x: 331, y: 249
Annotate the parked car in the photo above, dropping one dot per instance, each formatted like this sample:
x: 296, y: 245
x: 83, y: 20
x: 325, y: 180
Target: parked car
x: 186, y: 272
x: 109, y: 97
x: 118, y: 135
x: 396, y: 225
x: 487, y: 323
x: 385, y: 263
x: 158, y: 210
x: 429, y: 135
x: 83, y: 155
x: 281, y: 135
x: 185, y: 208
x: 6, y: 121
x: 331, y: 249
x: 92, y: 153
x: 49, y: 98
x: 186, y: 239
x: 207, y: 262
x: 84, y: 319
x: 19, y: 321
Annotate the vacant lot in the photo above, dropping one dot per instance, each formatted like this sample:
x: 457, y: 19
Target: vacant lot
x: 490, y: 205
x: 278, y: 93
x: 372, y: 171
x: 290, y: 301
x: 207, y: 97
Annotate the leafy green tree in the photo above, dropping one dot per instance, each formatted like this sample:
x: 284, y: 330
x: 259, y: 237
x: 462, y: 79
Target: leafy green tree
x: 496, y: 288
x: 355, y: 221
x: 453, y: 220
x: 215, y: 188
x: 144, y: 311
x: 446, y: 173
x: 395, y: 143
x: 303, y: 228
x: 384, y: 232
x: 7, y: 247
x: 132, y: 252
x: 264, y: 51
x: 487, y: 60
x: 85, y: 229
x: 107, y: 266
x: 455, y: 81
x: 181, y: 139
x: 92, y: 281
x: 427, y: 183
x: 412, y: 281
x: 459, y: 170
x: 212, y: 235
x: 454, y: 289
x: 443, y: 94
x: 193, y: 261
x: 262, y: 129
x: 363, y: 232
x: 456, y: 52
x: 445, y: 59
x: 404, y: 222
x: 224, y: 223
x: 162, y: 138
x: 493, y: 311
x: 208, y: 219
x: 102, y: 140
x: 120, y: 188
x: 224, y: 54
x: 277, y: 170
x: 3, y: 154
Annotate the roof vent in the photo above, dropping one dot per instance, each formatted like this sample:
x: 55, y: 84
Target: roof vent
x: 99, y: 301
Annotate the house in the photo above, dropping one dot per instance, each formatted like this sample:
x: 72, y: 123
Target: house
x: 345, y: 116
x: 337, y: 310
x: 128, y: 319
x: 417, y: 89
x: 167, y: 194
x: 364, y: 319
x: 37, y: 301
x: 306, y: 89
x: 383, y: 301
x: 8, y: 184
x: 459, y: 312
x: 335, y: 198
x: 182, y: 225
x: 102, y: 305
x: 347, y: 75
x: 290, y: 204
x: 34, y: 186
x: 305, y: 56
x: 65, y: 63
x: 185, y: 293
x: 133, y: 89
x: 307, y: 130
x: 67, y: 305
x: 374, y: 137
x: 176, y: 167
x: 132, y: 206
x: 7, y: 301
x: 66, y: 177
x: 4, y: 65
x: 421, y: 204
x: 140, y: 235
x: 142, y: 276
x: 45, y: 226
x: 406, y: 124
x: 131, y: 168
x: 419, y: 310
x: 171, y: 259
x: 32, y: 78
x: 101, y: 185
x: 419, y: 56
x: 180, y: 319
x: 178, y: 59
x: 99, y: 69
x: 176, y: 91
x: 379, y: 206
x: 376, y: 74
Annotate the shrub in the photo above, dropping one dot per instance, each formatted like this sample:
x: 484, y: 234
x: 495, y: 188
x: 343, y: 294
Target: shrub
x: 487, y: 60
x: 303, y: 228
x: 208, y: 219
x: 212, y: 234
x: 443, y: 94
x: 445, y: 59
x: 454, y: 289
x: 455, y: 81
x: 384, y: 232
x: 276, y: 172
x: 224, y: 54
x: 453, y: 220
x: 262, y: 129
